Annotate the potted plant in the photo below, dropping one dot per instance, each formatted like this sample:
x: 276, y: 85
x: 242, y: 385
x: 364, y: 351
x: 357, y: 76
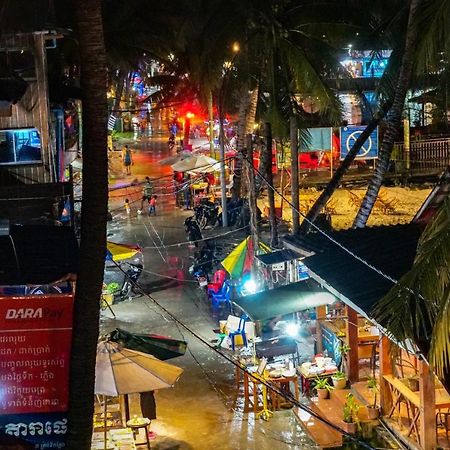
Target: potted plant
x: 373, y: 410
x: 339, y: 380
x: 350, y: 414
x: 323, y: 387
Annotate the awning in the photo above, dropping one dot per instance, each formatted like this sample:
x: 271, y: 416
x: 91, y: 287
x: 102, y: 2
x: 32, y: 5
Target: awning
x: 37, y: 254
x: 284, y: 300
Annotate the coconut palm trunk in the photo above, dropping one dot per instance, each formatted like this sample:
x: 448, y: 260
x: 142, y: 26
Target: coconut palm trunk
x: 270, y: 192
x: 93, y: 223
x: 333, y: 184
x: 295, y: 194
x: 395, y: 116
x: 246, y: 122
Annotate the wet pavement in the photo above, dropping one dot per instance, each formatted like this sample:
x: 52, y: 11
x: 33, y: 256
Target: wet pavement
x: 204, y: 410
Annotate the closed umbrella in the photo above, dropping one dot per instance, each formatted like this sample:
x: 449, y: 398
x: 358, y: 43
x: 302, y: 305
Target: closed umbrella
x: 162, y: 347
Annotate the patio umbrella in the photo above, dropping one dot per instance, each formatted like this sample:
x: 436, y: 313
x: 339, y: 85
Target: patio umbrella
x: 118, y: 252
x: 240, y: 260
x: 176, y: 158
x: 162, y: 347
x: 197, y: 164
x: 120, y: 371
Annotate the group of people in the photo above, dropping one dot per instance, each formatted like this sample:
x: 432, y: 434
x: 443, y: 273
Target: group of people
x: 147, y: 196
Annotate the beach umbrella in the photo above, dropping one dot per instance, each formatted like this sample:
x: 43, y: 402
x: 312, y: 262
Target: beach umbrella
x: 118, y: 252
x: 240, y: 260
x: 162, y: 347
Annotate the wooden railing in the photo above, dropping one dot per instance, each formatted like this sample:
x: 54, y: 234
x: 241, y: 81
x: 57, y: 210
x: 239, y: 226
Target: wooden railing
x: 427, y: 155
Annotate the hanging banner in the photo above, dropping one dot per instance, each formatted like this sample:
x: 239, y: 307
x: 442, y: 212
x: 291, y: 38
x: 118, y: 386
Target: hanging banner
x: 35, y: 345
x: 318, y: 140
x: 350, y: 134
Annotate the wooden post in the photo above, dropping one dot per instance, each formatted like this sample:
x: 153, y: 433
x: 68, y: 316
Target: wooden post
x: 385, y: 369
x: 352, y: 341
x: 321, y: 314
x: 427, y: 407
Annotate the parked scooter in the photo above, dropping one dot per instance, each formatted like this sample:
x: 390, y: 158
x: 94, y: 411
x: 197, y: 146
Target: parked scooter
x: 203, y: 263
x: 192, y: 230
x: 128, y: 289
x: 206, y: 214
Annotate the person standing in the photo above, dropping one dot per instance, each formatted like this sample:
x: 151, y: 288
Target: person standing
x: 147, y: 193
x: 152, y: 205
x: 127, y: 159
x: 148, y: 408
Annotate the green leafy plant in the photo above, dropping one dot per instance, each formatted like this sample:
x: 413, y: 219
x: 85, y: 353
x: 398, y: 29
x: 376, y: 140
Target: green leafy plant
x: 323, y: 383
x: 339, y: 375
x: 350, y: 410
x: 372, y: 384
x: 112, y: 288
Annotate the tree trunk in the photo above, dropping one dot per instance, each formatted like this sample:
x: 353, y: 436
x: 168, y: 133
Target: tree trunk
x: 270, y: 192
x: 394, y: 119
x: 253, y: 207
x: 295, y: 195
x: 246, y: 121
x: 211, y: 124
x: 333, y: 184
x: 93, y: 223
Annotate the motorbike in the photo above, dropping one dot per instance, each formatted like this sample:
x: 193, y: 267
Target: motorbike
x: 129, y: 289
x: 203, y: 263
x: 171, y: 142
x: 206, y: 214
x: 192, y: 230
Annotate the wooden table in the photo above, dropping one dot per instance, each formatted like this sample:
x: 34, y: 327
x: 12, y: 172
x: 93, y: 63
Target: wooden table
x: 135, y: 427
x: 252, y: 384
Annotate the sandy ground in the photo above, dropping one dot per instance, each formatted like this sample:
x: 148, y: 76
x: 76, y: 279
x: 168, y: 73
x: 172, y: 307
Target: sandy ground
x: 407, y: 201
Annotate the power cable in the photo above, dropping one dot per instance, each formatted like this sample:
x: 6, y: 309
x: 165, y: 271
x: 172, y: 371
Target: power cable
x: 274, y: 388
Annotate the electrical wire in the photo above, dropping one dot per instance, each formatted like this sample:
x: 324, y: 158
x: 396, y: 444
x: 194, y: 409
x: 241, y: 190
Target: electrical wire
x: 288, y: 396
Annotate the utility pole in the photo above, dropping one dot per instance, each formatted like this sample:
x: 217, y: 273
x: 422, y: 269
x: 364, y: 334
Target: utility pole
x: 294, y: 171
x: 252, y: 193
x: 270, y: 191
x: 223, y: 182
x: 211, y: 124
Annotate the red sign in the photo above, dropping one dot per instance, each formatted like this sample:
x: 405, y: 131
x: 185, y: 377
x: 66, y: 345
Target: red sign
x: 35, y: 342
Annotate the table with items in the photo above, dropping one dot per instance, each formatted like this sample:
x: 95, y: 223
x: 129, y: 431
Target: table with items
x: 281, y: 375
x: 310, y: 371
x: 117, y: 439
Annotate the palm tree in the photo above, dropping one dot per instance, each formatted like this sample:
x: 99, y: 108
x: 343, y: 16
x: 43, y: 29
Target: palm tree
x: 395, y: 115
x: 417, y: 309
x: 93, y: 222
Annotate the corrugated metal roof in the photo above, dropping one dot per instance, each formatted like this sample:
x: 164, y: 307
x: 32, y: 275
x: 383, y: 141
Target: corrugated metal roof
x: 278, y: 257
x: 389, y: 248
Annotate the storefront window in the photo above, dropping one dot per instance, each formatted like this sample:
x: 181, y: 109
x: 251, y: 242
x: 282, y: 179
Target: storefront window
x: 22, y: 146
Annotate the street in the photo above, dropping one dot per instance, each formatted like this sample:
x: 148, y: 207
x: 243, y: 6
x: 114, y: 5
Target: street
x: 204, y: 410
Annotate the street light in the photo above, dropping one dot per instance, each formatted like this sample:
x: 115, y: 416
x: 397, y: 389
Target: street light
x: 227, y: 66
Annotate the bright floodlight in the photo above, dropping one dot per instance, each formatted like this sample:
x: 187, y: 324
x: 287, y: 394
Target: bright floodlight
x: 250, y: 286
x: 292, y: 329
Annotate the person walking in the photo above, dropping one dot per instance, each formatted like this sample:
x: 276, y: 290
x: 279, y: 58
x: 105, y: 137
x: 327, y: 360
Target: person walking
x: 127, y: 207
x: 147, y: 193
x: 127, y: 159
x: 152, y: 205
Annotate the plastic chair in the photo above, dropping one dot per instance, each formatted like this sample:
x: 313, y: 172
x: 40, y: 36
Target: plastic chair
x: 222, y: 296
x: 239, y: 332
x: 217, y: 282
